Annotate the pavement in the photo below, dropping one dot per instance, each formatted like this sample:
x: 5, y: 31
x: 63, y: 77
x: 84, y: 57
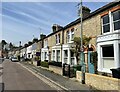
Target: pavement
x: 1, y: 72
x: 63, y: 82
x: 16, y: 78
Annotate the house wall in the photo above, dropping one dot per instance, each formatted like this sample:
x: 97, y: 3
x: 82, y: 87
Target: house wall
x: 0, y: 53
x: 39, y: 46
x: 91, y: 28
x: 52, y: 42
x: 112, y: 37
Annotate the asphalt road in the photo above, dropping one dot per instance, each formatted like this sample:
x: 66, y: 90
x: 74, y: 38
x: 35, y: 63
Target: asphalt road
x: 15, y: 77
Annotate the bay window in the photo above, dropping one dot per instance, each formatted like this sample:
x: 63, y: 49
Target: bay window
x: 53, y: 55
x: 58, y: 55
x: 108, y: 56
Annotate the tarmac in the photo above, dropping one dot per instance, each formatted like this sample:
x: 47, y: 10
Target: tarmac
x: 70, y: 84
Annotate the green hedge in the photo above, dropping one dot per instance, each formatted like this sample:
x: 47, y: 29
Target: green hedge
x: 44, y: 64
x: 77, y: 67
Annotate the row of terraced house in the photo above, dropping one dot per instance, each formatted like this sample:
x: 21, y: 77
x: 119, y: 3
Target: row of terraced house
x: 102, y: 25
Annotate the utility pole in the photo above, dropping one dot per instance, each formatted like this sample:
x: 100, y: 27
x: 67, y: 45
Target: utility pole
x: 19, y: 50
x: 81, y: 44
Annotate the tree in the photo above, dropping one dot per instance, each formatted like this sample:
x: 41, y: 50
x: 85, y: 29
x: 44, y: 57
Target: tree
x: 11, y: 46
x: 77, y: 43
x: 3, y: 42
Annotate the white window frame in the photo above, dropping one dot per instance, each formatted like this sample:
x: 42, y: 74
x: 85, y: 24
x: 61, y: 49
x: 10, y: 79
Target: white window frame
x: 53, y: 55
x: 65, y: 57
x: 57, y: 55
x: 111, y: 23
x: 105, y: 69
x: 114, y: 21
x: 45, y: 43
x: 72, y: 34
x: 106, y: 24
x: 57, y: 37
x: 68, y: 36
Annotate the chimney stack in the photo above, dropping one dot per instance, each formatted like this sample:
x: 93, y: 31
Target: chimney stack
x: 85, y: 11
x: 42, y: 36
x: 56, y: 27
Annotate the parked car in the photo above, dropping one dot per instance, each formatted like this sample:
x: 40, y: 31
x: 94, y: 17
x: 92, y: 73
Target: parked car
x: 14, y: 59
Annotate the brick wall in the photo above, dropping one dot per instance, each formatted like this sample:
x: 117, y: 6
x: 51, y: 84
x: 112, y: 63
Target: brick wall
x: 100, y: 82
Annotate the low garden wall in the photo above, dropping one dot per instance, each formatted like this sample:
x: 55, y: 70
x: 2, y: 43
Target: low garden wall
x: 100, y: 82
x: 34, y: 63
x: 55, y: 69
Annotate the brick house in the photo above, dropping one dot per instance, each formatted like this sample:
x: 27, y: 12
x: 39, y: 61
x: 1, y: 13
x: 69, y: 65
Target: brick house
x: 108, y: 43
x: 58, y: 45
x: 52, y: 45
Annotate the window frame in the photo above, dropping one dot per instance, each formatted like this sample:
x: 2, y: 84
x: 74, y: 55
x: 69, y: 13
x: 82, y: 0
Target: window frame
x: 115, y: 20
x: 68, y: 36
x: 53, y: 55
x: 105, y: 24
x: 58, y: 60
x: 72, y: 34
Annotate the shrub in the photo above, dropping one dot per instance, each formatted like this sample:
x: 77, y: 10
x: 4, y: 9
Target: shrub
x: 59, y: 64
x: 44, y: 64
x: 77, y: 67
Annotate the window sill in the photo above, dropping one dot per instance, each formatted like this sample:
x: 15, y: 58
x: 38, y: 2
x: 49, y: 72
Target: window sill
x: 58, y: 44
x: 70, y: 42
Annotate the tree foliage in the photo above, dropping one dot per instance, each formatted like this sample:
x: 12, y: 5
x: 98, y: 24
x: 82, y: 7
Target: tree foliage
x: 77, y: 43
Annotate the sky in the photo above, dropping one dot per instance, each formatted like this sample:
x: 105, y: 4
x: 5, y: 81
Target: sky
x: 21, y: 21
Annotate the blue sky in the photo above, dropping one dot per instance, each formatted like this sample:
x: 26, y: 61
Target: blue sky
x: 22, y: 20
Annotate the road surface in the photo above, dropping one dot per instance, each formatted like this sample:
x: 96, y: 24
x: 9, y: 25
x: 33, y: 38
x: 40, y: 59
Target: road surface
x: 15, y: 77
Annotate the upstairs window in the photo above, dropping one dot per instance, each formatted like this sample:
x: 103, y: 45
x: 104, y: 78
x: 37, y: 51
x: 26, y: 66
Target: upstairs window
x: 116, y: 20
x: 67, y: 36
x: 105, y: 24
x: 57, y: 38
x: 46, y: 43
x: 72, y: 33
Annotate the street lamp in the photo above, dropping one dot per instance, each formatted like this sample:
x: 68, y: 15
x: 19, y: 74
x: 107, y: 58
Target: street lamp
x: 82, y: 54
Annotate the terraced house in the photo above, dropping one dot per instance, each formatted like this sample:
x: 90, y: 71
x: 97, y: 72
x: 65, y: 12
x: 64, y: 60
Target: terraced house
x: 51, y: 50
x: 102, y: 26
x: 98, y: 24
x: 108, y: 43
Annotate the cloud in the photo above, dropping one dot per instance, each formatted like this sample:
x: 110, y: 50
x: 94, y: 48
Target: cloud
x: 29, y: 17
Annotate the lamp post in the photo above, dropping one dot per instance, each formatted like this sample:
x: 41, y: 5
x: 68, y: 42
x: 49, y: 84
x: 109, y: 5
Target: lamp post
x: 82, y: 54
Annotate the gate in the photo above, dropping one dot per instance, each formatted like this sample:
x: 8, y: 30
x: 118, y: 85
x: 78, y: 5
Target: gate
x: 91, y: 68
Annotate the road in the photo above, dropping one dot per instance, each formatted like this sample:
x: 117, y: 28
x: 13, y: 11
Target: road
x: 15, y: 77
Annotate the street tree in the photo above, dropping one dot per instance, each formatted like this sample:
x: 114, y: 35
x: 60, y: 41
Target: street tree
x: 3, y: 43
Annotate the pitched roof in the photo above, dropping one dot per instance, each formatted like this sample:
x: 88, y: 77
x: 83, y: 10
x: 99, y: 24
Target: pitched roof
x: 109, y: 5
